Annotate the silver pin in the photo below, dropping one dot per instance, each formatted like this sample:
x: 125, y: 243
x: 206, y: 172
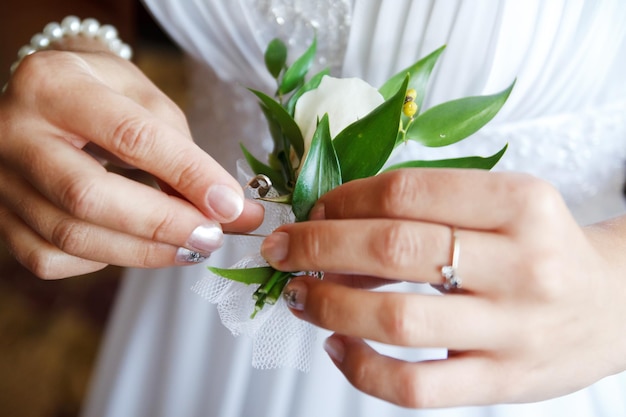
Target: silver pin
x: 261, y: 183
x: 245, y: 234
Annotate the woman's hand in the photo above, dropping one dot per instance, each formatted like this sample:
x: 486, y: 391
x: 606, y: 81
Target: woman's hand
x: 540, y: 313
x: 62, y: 213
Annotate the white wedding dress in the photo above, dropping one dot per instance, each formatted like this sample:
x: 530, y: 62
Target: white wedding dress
x: 166, y: 352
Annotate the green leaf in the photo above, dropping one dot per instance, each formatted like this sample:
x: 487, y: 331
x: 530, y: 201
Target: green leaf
x: 450, y: 122
x: 259, y: 167
x: 364, y: 146
x: 419, y: 74
x: 320, y: 172
x: 276, y: 133
x: 259, y: 275
x: 312, y: 84
x: 471, y: 162
x: 295, y: 74
x: 275, y: 57
x: 288, y: 126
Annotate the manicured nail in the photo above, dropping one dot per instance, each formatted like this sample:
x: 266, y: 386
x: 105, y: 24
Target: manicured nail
x: 335, y: 348
x: 295, y: 295
x: 225, y: 202
x: 318, y: 212
x: 275, y: 247
x: 206, y: 238
x: 185, y: 256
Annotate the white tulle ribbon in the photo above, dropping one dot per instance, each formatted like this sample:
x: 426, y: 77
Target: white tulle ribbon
x: 279, y: 339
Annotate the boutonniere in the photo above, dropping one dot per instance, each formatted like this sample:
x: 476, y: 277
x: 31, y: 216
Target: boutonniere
x: 327, y: 131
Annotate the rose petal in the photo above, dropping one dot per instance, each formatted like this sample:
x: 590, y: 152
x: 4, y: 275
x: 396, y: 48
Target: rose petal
x: 344, y: 99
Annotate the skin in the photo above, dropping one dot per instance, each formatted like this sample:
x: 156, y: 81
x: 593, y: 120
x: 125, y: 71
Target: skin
x: 542, y: 301
x: 62, y: 212
x: 22, y: 19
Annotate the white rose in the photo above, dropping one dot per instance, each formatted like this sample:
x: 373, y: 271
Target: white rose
x: 346, y: 100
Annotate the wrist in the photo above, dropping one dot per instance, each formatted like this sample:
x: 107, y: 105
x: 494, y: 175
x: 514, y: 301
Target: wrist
x: 74, y: 34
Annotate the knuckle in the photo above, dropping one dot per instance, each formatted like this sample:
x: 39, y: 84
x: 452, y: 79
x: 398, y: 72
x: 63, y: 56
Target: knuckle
x: 41, y: 262
x: 309, y: 247
x: 535, y: 198
x: 79, y: 197
x: 398, y: 188
x: 360, y: 375
x: 134, y: 137
x: 412, y: 393
x: 31, y: 73
x: 190, y: 173
x: 398, y: 321
x: 150, y: 256
x: 165, y: 226
x: 32, y: 77
x: 69, y: 236
x: 323, y: 310
x: 395, y: 247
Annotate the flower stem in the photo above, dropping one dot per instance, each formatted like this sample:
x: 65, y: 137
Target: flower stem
x: 269, y: 292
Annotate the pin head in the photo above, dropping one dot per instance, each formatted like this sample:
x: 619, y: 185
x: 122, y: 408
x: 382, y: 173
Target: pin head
x: 261, y: 183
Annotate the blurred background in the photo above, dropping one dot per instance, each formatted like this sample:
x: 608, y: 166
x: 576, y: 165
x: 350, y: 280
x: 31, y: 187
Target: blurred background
x: 50, y: 330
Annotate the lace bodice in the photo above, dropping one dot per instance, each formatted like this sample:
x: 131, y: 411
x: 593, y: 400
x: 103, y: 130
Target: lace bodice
x: 564, y: 121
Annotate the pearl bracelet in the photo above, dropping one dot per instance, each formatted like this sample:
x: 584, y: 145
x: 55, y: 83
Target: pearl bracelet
x: 72, y: 26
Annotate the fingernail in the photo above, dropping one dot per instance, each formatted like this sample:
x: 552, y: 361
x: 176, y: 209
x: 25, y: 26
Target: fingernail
x: 185, y: 256
x: 295, y: 295
x: 275, y: 247
x: 206, y: 238
x: 318, y: 212
x: 225, y: 202
x: 335, y: 348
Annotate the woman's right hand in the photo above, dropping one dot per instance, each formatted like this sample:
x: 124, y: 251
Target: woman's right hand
x: 62, y: 213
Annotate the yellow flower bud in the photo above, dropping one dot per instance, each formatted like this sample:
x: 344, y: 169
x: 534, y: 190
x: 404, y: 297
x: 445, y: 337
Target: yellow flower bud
x: 409, y: 108
x: 411, y: 94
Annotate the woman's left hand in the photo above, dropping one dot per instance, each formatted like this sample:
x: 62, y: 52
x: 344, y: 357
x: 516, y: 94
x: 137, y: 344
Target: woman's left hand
x: 540, y: 312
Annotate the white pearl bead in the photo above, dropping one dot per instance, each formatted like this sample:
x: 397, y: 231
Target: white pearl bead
x: 40, y: 41
x: 114, y: 45
x: 25, y: 51
x: 71, y: 26
x: 107, y: 33
x: 120, y: 49
x: 90, y: 27
x: 125, y: 51
x: 14, y: 66
x: 53, y: 31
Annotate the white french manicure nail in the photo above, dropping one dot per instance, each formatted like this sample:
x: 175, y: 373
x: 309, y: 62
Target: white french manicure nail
x: 225, y: 202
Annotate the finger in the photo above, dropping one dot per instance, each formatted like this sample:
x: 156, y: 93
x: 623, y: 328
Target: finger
x: 36, y: 254
x: 359, y: 281
x: 76, y: 182
x: 250, y: 218
x: 82, y: 239
x: 137, y: 137
x: 461, y: 381
x: 392, y: 249
x: 418, y: 320
x: 472, y: 199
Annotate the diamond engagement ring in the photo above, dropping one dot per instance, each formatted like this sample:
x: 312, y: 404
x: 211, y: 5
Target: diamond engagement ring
x: 452, y: 280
